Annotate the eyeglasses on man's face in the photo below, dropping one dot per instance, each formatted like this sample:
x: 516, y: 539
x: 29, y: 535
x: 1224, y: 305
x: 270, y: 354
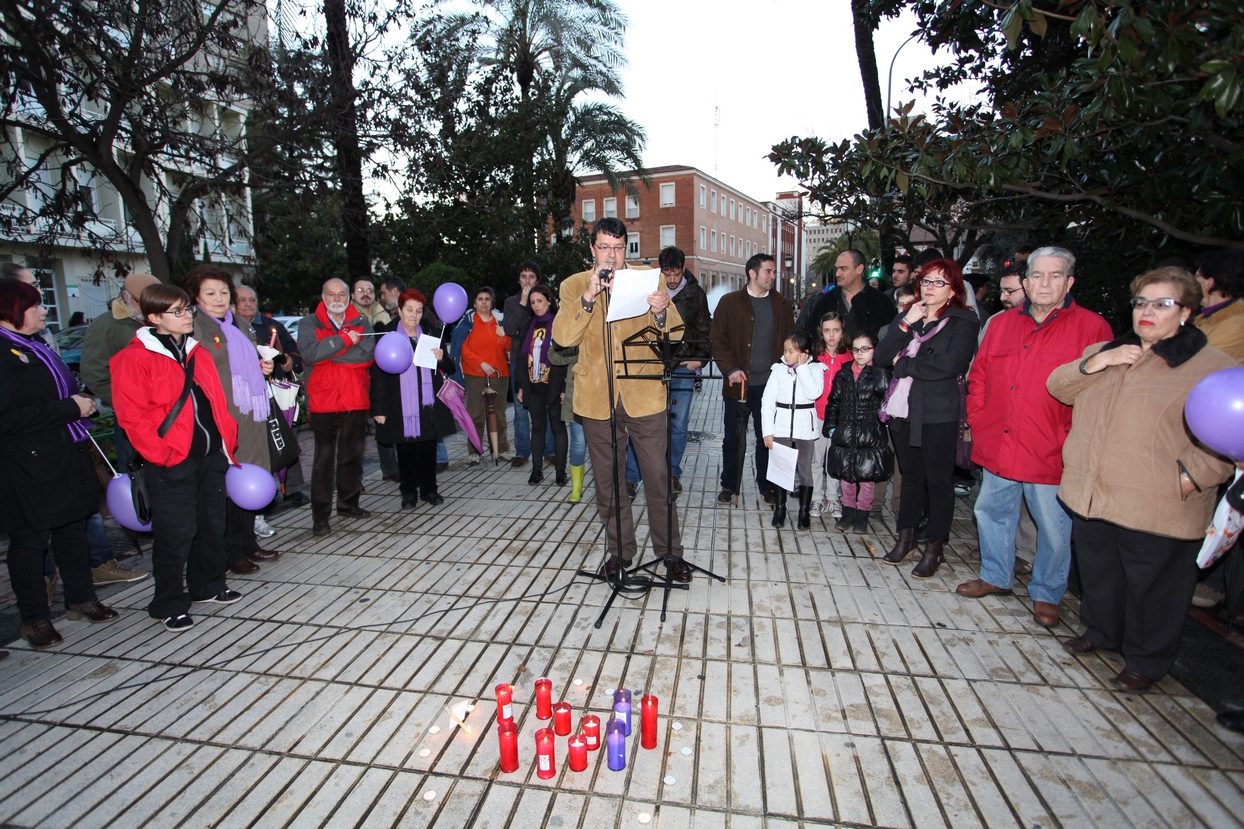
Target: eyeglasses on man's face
x: 181, y: 312
x: 1164, y: 303
x: 1009, y: 291
x: 610, y: 248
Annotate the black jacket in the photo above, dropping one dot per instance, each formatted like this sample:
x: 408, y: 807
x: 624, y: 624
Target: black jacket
x: 692, y: 305
x: 870, y: 310
x: 936, y: 368
x: 859, y: 449
x: 386, y: 400
x: 46, y: 479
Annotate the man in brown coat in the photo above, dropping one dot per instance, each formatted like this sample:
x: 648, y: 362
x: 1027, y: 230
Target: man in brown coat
x: 748, y: 332
x: 637, y: 406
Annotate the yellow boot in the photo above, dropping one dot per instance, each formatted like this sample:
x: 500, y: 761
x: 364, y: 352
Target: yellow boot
x: 576, y: 484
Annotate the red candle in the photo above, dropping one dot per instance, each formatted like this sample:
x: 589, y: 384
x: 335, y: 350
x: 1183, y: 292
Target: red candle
x: 544, y: 698
x: 545, y: 766
x: 576, y: 747
x: 591, y: 731
x: 507, y: 732
x: 561, y: 719
x: 505, y: 702
x: 648, y: 721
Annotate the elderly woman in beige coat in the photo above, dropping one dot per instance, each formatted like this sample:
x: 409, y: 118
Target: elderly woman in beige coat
x: 1140, y: 489
x: 243, y: 375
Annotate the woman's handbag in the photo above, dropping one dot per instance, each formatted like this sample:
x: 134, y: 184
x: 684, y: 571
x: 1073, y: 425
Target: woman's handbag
x: 963, y: 449
x: 282, y: 442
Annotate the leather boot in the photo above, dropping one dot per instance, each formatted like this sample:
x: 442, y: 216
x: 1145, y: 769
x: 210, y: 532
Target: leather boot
x: 903, y: 547
x: 805, y: 508
x: 779, y: 509
x: 929, y: 562
x: 576, y: 484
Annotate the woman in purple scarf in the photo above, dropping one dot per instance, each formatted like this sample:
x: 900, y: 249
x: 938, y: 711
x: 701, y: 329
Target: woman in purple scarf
x: 243, y: 375
x: 407, y: 412
x: 48, y: 487
x: 541, y: 384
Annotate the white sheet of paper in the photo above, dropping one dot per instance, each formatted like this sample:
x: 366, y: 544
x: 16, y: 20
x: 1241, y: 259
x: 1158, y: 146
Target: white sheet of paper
x: 423, y: 351
x: 782, y: 463
x: 629, y: 295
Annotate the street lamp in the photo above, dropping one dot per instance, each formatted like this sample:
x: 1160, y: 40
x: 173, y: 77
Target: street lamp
x: 851, y: 228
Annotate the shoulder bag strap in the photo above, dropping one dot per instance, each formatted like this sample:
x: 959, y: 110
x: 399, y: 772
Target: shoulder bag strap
x: 181, y: 401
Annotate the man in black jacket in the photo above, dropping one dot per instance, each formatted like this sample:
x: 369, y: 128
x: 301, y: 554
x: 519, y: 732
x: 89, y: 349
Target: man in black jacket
x: 516, y: 319
x: 863, y: 307
x: 692, y: 304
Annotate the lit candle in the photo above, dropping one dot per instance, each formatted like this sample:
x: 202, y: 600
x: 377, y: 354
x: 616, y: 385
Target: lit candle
x: 505, y: 702
x: 648, y: 721
x: 561, y: 718
x: 544, y: 698
x: 544, y: 753
x: 591, y: 731
x: 622, y: 708
x: 615, y: 744
x: 576, y: 748
x: 507, y: 732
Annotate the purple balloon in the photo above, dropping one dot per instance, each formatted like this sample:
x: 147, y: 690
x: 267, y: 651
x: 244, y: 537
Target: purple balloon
x: 450, y: 302
x: 393, y: 353
x: 120, y: 502
x: 251, y: 487
x: 1215, y: 412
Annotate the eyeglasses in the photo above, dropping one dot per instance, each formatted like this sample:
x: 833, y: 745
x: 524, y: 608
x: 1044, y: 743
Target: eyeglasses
x: 933, y: 283
x: 1164, y: 303
x: 862, y: 349
x: 610, y: 248
x: 1009, y: 291
x: 363, y: 290
x: 181, y: 312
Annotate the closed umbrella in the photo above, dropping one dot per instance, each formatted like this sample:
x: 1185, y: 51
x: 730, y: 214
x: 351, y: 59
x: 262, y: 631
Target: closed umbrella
x: 742, y: 415
x: 453, y: 396
x: 490, y: 396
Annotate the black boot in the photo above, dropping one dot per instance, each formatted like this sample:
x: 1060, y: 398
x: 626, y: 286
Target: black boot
x: 779, y: 508
x: 929, y: 562
x: 861, y: 522
x: 805, y: 508
x: 848, y: 518
x: 902, y: 547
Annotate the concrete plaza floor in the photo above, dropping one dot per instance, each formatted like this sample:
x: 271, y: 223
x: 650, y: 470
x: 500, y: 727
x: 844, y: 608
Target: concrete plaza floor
x: 816, y: 687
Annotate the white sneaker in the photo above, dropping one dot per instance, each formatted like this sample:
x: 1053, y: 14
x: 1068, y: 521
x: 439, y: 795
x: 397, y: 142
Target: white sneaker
x: 835, y: 508
x: 262, y: 529
x: 818, y: 507
x: 506, y: 457
x: 473, y: 460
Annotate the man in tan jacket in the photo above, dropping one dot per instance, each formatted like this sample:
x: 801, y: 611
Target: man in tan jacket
x: 637, y: 405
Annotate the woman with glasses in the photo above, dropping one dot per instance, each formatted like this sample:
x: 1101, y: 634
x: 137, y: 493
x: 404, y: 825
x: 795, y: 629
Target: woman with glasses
x: 1140, y: 489
x: 930, y: 349
x: 170, y: 402
x: 229, y: 341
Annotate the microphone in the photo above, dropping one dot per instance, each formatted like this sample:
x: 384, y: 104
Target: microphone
x: 606, y: 281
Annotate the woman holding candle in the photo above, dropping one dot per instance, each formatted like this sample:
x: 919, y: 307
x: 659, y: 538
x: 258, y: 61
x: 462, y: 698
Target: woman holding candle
x: 408, y: 414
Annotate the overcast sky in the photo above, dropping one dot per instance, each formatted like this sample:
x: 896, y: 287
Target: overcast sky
x: 774, y: 69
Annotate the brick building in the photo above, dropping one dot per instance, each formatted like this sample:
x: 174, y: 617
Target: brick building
x: 718, y: 227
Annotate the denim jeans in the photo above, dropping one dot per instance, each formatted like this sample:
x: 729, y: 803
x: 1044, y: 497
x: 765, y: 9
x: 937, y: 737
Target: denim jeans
x: 101, y: 550
x: 997, y: 513
x: 578, y: 443
x: 522, y: 423
x: 442, y: 451
x: 682, y: 391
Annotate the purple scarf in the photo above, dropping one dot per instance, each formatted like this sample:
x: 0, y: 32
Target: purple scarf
x: 900, y: 387
x: 250, y: 388
x: 536, y: 354
x: 416, y: 383
x: 66, y: 386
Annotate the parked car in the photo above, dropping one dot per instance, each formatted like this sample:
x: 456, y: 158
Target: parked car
x: 291, y: 325
x: 69, y: 341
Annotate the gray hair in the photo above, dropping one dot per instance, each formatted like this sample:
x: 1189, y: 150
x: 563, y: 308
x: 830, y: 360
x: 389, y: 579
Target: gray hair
x: 1069, y: 258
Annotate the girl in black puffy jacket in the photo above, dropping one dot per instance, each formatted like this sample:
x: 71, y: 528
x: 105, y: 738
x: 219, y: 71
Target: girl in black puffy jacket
x: 859, y: 452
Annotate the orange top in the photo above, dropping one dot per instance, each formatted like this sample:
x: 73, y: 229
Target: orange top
x: 483, y: 345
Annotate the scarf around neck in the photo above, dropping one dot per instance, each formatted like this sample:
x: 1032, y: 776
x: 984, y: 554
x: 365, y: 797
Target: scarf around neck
x: 536, y: 348
x: 66, y: 386
x: 897, y: 406
x: 416, y: 385
x: 250, y: 389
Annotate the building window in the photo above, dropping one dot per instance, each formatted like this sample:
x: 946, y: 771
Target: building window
x: 703, y: 196
x: 712, y: 202
x: 703, y: 238
x: 611, y: 208
x: 632, y: 245
x: 732, y: 246
x: 667, y: 195
x: 632, y: 207
x: 712, y: 241
x: 667, y: 236
x: 748, y: 220
x: 732, y: 208
x: 589, y: 211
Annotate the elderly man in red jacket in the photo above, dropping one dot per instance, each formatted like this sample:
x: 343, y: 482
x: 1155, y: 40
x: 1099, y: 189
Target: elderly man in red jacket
x: 334, y: 344
x: 1018, y: 430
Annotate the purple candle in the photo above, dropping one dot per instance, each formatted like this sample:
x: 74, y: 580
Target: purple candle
x: 615, y: 744
x: 622, y: 708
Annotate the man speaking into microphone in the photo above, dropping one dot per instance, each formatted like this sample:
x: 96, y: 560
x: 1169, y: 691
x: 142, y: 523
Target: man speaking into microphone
x: 638, y: 405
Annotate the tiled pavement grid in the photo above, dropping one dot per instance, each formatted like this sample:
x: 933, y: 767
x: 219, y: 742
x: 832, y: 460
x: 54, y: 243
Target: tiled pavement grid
x: 816, y: 687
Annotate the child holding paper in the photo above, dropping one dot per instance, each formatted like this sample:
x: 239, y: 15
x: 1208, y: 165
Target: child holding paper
x: 788, y: 416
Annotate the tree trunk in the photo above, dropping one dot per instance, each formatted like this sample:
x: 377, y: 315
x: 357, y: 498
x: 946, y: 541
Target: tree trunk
x: 355, y: 221
x: 865, y: 25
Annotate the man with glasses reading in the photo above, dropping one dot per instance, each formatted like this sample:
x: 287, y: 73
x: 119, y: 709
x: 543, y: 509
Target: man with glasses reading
x: 1018, y: 430
x: 637, y: 405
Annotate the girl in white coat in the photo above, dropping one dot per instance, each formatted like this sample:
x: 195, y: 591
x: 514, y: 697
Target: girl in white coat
x: 788, y: 416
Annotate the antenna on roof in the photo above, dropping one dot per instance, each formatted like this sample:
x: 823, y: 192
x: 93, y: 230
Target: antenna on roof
x: 716, y: 130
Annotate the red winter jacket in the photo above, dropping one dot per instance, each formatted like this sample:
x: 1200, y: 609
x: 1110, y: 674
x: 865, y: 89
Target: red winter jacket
x: 1018, y: 429
x: 146, y: 382
x: 339, y: 380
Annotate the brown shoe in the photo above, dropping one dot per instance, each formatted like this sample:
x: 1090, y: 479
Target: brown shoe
x: 243, y: 567
x: 680, y: 571
x: 442, y: 467
x: 1045, y: 613
x: 1132, y: 681
x: 979, y: 588
x: 264, y: 555
x: 41, y: 634
x: 929, y: 561
x: 94, y: 610
x: 1079, y: 646
x: 676, y: 486
x: 903, y: 547
x: 394, y: 477
x: 612, y: 567
x: 518, y: 463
